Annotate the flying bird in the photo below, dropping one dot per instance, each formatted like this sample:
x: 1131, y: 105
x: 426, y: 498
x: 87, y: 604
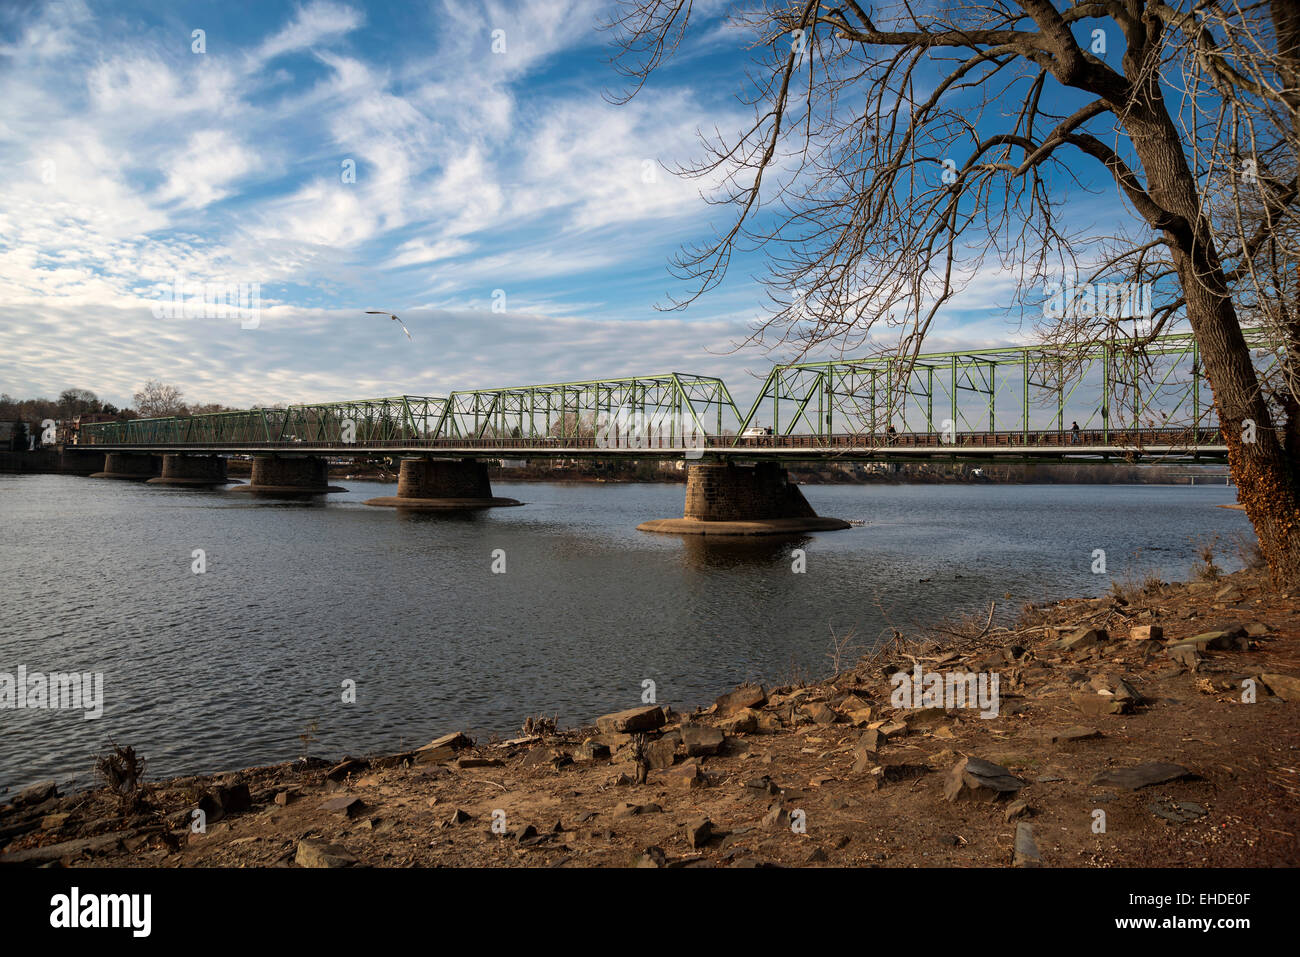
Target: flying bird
x: 380, y: 312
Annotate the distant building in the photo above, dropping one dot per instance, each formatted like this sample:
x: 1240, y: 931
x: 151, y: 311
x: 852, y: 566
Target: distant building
x: 13, y: 437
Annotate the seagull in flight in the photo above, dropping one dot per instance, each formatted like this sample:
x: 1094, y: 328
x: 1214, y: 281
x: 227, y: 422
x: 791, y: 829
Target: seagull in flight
x: 380, y: 312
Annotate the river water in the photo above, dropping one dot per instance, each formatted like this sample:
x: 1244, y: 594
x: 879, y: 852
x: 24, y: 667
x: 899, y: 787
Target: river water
x: 228, y: 668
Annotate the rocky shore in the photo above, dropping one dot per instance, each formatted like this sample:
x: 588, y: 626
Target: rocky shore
x: 1152, y: 727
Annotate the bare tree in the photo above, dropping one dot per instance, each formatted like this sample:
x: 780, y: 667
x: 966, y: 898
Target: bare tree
x: 157, y: 400
x: 893, y: 153
x: 75, y: 402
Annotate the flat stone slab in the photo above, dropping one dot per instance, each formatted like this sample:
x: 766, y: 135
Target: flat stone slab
x: 1070, y: 735
x: 1286, y: 687
x: 1026, y: 850
x: 1141, y: 776
x: 633, y: 719
x: 744, y: 696
x: 442, y: 504
x: 321, y: 854
x: 1178, y: 812
x: 757, y: 526
x: 981, y: 780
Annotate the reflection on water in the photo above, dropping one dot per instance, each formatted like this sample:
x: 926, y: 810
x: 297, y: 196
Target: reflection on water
x: 719, y: 551
x: 228, y: 668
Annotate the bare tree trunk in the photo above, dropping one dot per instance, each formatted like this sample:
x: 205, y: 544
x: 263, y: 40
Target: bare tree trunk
x: 1262, y: 467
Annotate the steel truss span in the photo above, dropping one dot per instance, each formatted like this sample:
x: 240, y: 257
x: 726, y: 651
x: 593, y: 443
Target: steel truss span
x: 1020, y: 402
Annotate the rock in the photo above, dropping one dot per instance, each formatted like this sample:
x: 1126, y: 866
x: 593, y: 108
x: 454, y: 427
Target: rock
x: 1286, y: 687
x: 1146, y: 633
x: 768, y: 723
x: 52, y: 822
x: 468, y: 762
x: 816, y: 856
x: 820, y: 713
x: 591, y: 750
x: 1186, y: 655
x: 742, y: 722
x: 892, y: 729
x: 1016, y: 809
x: 459, y: 816
x: 1140, y: 776
x: 1221, y: 640
x: 37, y: 793
x: 343, y: 769
x: 1256, y: 629
x: 864, y: 752
x: 763, y: 785
x: 1096, y: 704
x: 698, y: 832
x: 534, y: 757
x: 701, y: 740
x: 652, y: 857
x: 1177, y: 812
x: 285, y: 798
x: 1026, y: 852
x: 862, y: 717
x: 942, y: 759
x: 1126, y: 692
x: 980, y: 780
x: 916, y: 718
x: 1229, y: 593
x: 443, y: 749
x: 348, y: 806
x: 661, y: 752
x: 776, y: 816
x: 321, y: 854
x: 633, y: 719
x: 744, y: 696
x: 851, y: 703
x: 1070, y: 735
x: 688, y: 776
x: 1082, y: 638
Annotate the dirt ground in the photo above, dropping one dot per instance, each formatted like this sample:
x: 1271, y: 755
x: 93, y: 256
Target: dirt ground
x: 829, y: 774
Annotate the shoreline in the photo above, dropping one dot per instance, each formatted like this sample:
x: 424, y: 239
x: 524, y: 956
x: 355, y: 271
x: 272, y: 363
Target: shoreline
x: 1150, y: 731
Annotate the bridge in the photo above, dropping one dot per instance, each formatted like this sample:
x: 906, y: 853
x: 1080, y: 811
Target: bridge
x: 979, y: 405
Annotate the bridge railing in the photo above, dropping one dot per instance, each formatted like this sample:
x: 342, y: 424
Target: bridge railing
x: 1112, y: 438
x: 1065, y: 440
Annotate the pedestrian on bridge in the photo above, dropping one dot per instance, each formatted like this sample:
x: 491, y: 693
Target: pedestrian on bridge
x: 1074, y: 433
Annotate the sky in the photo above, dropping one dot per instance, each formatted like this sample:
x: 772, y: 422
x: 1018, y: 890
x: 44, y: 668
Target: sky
x: 455, y: 163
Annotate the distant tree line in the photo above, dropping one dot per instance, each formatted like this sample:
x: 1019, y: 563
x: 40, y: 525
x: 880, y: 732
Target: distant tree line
x: 154, y: 399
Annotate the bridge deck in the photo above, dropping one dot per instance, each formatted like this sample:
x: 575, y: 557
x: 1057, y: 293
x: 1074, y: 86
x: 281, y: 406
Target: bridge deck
x: 1155, y: 443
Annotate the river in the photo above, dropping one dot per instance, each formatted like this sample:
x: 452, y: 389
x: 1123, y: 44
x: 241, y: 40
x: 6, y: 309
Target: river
x: 228, y: 668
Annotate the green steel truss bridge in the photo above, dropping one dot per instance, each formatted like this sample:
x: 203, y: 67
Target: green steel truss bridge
x: 992, y: 404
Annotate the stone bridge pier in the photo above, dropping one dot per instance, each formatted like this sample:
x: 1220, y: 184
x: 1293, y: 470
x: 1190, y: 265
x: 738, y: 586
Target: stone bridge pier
x: 80, y: 461
x: 193, y: 470
x: 132, y: 466
x: 727, y: 499
x: 289, y: 475
x: 425, y: 483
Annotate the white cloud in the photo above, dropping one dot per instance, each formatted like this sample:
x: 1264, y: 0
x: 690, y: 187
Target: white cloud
x: 315, y: 22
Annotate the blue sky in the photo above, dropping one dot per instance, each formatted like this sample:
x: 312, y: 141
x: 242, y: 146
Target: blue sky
x: 133, y: 160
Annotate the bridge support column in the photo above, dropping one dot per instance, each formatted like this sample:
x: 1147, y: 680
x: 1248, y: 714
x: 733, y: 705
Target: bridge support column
x: 133, y: 466
x: 289, y: 475
x: 194, y: 470
x: 425, y: 483
x: 729, y: 499
x: 75, y: 461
